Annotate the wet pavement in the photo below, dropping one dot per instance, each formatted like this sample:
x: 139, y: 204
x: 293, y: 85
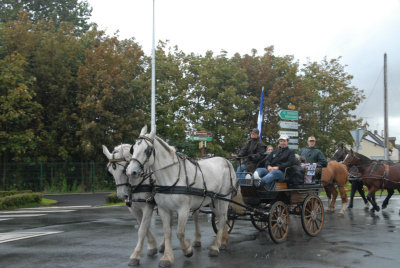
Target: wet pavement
x: 94, y: 236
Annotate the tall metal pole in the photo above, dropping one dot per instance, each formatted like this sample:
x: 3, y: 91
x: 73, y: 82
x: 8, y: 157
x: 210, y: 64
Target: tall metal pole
x: 153, y: 78
x: 386, y: 156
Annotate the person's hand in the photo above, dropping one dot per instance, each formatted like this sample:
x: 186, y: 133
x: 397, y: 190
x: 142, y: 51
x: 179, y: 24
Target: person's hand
x: 314, y: 164
x: 234, y: 155
x: 269, y: 168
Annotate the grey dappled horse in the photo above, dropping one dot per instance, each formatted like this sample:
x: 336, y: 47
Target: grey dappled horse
x: 153, y: 156
x: 117, y: 163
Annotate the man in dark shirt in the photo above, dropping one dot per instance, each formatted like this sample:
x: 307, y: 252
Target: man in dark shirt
x: 253, y: 151
x: 275, y: 164
x: 312, y: 154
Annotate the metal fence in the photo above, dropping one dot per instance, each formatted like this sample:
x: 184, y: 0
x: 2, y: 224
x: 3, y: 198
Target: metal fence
x: 56, y: 177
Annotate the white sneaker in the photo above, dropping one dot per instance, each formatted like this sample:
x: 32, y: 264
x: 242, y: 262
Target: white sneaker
x: 256, y: 176
x: 257, y: 183
x: 248, y: 177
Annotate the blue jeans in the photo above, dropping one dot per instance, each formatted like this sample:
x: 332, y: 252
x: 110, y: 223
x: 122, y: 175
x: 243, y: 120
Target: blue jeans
x: 269, y: 177
x: 241, y: 171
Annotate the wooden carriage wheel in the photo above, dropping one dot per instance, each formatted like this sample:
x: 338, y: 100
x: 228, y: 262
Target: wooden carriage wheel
x: 278, y: 222
x: 312, y: 215
x: 259, y: 223
x: 229, y: 223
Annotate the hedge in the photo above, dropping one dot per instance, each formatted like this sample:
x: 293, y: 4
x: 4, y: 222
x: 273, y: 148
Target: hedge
x: 8, y: 193
x: 113, y: 198
x: 18, y: 200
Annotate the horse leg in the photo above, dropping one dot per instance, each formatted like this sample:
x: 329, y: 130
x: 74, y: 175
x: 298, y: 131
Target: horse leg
x: 162, y: 244
x: 343, y: 195
x: 134, y: 259
x: 386, y: 201
x: 352, y: 193
x: 197, y: 233
x: 168, y: 258
x: 183, y: 215
x: 328, y: 194
x: 360, y: 189
x: 220, y: 211
x: 332, y: 190
x: 371, y: 199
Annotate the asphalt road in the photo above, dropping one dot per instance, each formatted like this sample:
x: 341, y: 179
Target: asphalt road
x: 95, y: 236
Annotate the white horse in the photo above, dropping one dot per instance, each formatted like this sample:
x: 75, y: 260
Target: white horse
x: 174, y: 176
x: 142, y: 210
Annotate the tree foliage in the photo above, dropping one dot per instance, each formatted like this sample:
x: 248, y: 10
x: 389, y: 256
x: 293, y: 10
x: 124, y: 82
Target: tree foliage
x: 64, y: 91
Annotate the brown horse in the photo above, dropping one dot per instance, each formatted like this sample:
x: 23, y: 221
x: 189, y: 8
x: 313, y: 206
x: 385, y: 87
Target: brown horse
x: 335, y: 173
x: 376, y: 175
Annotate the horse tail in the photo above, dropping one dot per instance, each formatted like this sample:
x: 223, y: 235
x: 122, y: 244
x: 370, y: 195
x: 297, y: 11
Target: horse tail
x: 239, y: 199
x: 237, y: 194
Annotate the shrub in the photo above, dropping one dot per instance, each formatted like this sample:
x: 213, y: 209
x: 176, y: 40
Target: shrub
x: 113, y: 198
x: 18, y: 200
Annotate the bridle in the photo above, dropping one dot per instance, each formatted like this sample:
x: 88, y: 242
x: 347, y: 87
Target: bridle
x: 118, y: 161
x: 148, y: 152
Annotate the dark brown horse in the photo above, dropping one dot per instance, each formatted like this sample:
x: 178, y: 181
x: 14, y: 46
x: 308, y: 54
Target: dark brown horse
x: 354, y: 176
x: 376, y: 175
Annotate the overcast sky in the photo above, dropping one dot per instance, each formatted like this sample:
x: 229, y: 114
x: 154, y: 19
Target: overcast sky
x: 360, y: 31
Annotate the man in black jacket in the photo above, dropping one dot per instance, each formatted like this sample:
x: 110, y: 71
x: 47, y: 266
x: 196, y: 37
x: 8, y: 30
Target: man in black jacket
x: 275, y: 164
x: 253, y: 151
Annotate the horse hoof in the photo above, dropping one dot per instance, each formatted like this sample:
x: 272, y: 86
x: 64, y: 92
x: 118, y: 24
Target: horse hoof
x: 197, y: 244
x: 350, y: 206
x: 341, y: 214
x: 161, y: 250
x: 152, y: 252
x: 190, y: 254
x: 384, y: 206
x: 165, y: 263
x: 223, y: 247
x: 213, y: 253
x: 133, y: 262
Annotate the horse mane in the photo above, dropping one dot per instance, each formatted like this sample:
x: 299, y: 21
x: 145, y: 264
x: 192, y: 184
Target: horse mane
x: 363, y: 157
x: 166, y: 146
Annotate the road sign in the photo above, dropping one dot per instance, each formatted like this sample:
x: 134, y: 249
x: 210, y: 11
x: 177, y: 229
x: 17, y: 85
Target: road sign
x: 289, y: 133
x: 293, y: 141
x: 293, y: 146
x: 201, y: 133
x: 196, y: 138
x: 289, y: 114
x: 288, y: 124
x: 357, y: 135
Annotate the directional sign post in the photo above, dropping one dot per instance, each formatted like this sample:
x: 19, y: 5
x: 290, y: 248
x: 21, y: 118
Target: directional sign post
x: 289, y: 114
x: 195, y: 138
x: 288, y: 124
x: 289, y: 133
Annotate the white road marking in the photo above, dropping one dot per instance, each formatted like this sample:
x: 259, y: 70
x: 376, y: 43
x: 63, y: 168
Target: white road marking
x: 23, y: 215
x: 13, y: 236
x: 33, y: 211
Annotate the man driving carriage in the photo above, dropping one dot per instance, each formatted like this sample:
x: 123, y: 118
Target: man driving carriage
x: 253, y: 151
x: 275, y: 164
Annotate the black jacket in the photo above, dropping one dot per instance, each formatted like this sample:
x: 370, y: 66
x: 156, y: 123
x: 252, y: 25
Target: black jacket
x: 254, y: 149
x: 282, y: 158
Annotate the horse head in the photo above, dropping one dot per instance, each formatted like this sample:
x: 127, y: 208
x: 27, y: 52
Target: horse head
x: 117, y: 162
x: 340, y: 153
x: 141, y: 152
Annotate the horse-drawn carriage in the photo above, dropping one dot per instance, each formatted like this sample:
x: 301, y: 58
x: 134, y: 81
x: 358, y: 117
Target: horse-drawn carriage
x: 270, y: 209
x: 152, y: 172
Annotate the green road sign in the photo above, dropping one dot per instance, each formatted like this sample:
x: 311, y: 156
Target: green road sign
x: 289, y: 114
x: 196, y: 138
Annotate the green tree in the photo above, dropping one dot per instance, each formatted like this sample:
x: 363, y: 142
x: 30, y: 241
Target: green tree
x: 113, y: 95
x: 19, y: 113
x: 71, y: 11
x: 333, y: 99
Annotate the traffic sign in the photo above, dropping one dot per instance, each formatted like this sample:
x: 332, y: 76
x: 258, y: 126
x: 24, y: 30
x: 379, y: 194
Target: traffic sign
x: 201, y: 133
x: 288, y: 124
x: 289, y: 114
x: 289, y: 133
x: 196, y: 138
x: 293, y: 141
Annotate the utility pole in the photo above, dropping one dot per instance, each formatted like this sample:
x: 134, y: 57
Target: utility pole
x: 386, y: 156
x: 153, y: 77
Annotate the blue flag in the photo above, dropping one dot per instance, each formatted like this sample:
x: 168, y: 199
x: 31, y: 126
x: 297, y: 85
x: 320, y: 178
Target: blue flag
x: 260, y: 114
